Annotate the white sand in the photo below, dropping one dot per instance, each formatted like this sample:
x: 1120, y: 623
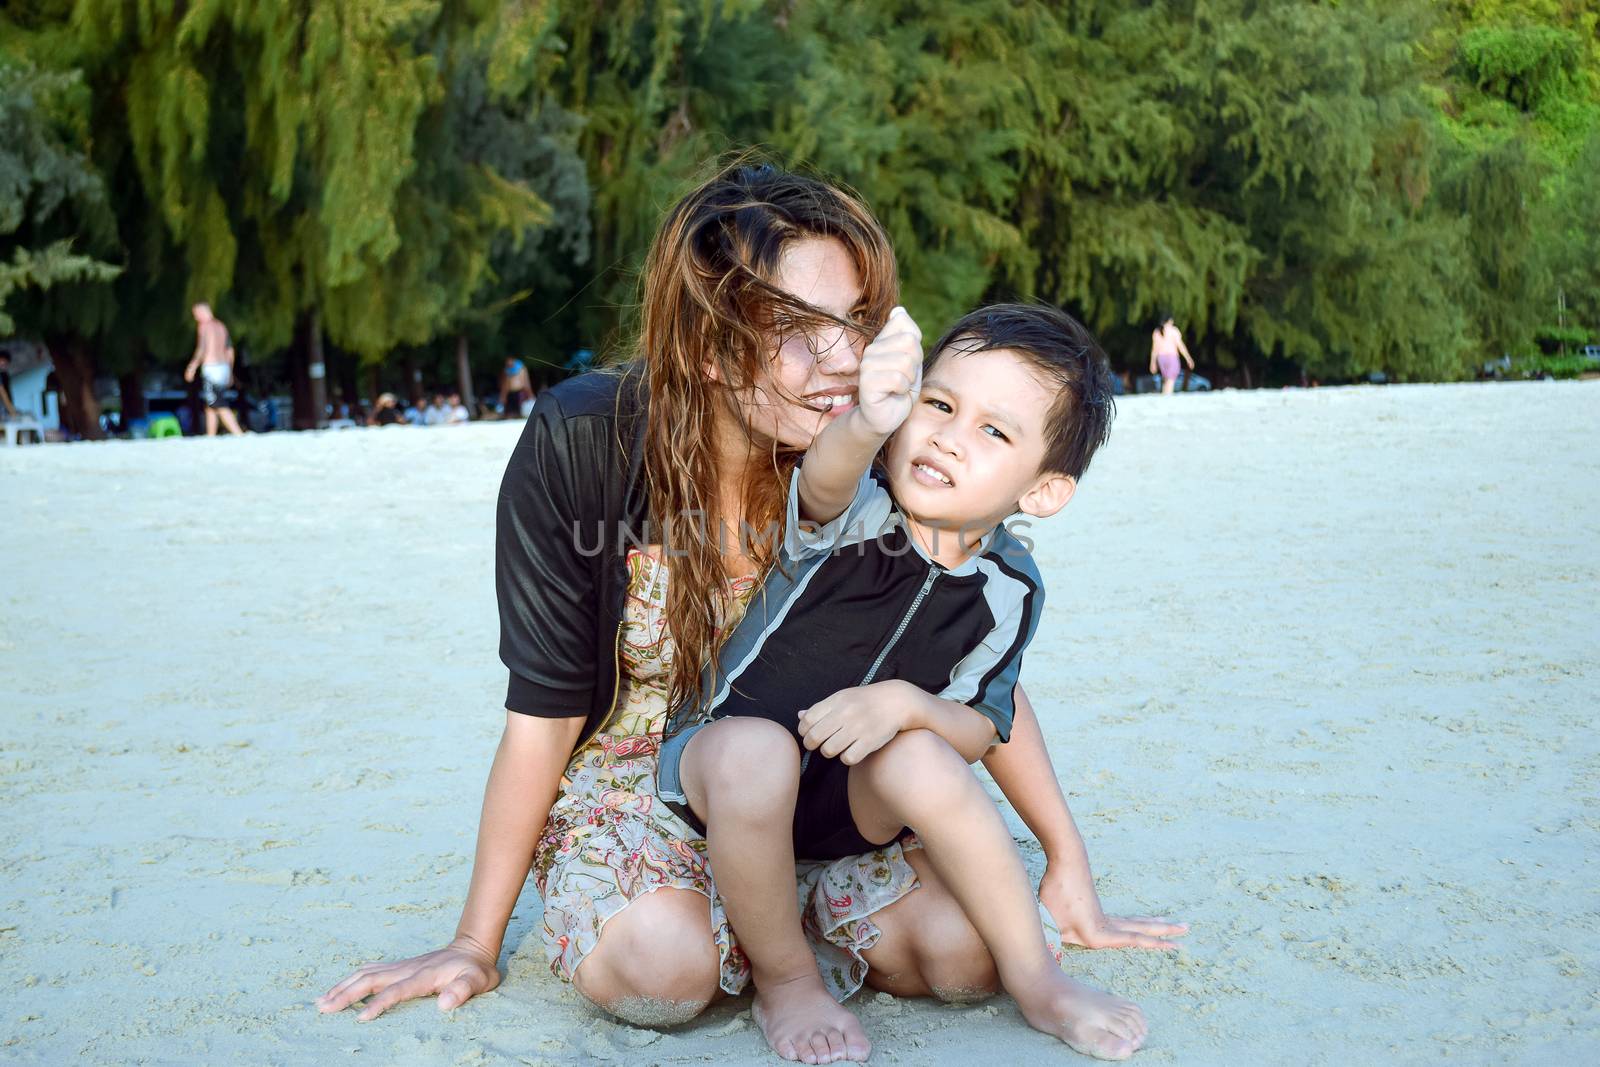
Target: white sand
x: 1318, y: 670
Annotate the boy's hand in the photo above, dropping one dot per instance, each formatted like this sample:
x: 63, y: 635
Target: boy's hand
x: 1083, y: 923
x: 854, y: 723
x: 891, y: 375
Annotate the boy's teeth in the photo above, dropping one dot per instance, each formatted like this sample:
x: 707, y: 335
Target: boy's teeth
x: 932, y: 473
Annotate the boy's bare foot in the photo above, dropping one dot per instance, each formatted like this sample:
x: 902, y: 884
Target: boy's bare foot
x: 1094, y: 1023
x: 802, y: 1022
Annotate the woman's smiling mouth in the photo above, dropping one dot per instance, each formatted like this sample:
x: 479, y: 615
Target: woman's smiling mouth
x: 833, y: 402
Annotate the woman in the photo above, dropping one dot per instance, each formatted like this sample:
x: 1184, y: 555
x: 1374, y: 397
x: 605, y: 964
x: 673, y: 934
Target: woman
x: 1166, y: 344
x: 760, y: 292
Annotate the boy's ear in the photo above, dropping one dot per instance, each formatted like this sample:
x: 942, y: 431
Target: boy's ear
x: 1048, y: 495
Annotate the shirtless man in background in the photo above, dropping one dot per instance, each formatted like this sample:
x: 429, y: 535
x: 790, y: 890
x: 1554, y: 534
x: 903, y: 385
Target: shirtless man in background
x: 213, y: 358
x: 514, y: 382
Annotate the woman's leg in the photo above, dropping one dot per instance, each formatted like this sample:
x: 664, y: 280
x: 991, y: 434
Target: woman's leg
x: 741, y: 776
x: 926, y: 945
x: 656, y: 961
x: 918, y: 780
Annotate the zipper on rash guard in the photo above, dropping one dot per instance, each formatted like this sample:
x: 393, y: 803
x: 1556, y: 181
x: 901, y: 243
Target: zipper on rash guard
x: 905, y: 620
x: 894, y: 639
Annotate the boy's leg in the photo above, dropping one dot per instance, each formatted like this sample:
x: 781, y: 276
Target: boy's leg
x: 740, y: 776
x: 918, y: 780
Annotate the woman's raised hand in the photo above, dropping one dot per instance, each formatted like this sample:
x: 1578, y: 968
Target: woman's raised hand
x: 891, y: 374
x: 457, y: 973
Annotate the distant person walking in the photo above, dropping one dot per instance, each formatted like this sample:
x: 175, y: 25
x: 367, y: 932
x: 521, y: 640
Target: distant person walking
x: 514, y: 381
x: 213, y: 358
x: 1166, y: 345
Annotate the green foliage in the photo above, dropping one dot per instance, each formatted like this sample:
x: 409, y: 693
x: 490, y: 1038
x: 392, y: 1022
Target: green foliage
x: 1560, y: 367
x: 48, y: 191
x: 1330, y: 188
x: 1527, y: 66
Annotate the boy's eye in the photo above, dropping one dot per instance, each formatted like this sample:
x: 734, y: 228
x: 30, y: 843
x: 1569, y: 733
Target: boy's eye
x: 938, y: 405
x: 994, y: 431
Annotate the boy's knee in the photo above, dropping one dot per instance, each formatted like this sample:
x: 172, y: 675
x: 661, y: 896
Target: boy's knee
x: 916, y: 758
x: 917, y: 776
x: 745, y: 756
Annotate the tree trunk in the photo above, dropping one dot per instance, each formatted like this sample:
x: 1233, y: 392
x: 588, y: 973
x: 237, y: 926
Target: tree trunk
x: 349, y: 388
x: 197, y: 407
x: 80, y: 411
x: 413, y: 379
x: 464, y: 374
x: 132, y: 387
x: 1244, y: 369
x: 317, y: 370
x: 299, y: 376
x: 308, y: 379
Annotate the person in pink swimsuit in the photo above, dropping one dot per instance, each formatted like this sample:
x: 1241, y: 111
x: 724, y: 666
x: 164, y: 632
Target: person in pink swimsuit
x: 1166, y: 345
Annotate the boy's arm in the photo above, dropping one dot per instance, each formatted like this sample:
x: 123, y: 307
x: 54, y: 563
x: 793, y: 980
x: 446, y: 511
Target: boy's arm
x: 834, y: 464
x: 971, y: 713
x: 1024, y: 773
x: 891, y: 375
x: 854, y: 723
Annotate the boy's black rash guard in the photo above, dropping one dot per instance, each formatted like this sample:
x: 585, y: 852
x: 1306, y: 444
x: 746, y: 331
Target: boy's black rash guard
x: 571, y: 501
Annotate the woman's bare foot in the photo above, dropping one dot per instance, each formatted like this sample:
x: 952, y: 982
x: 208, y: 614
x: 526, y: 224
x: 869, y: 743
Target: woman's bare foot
x: 802, y: 1022
x: 1094, y: 1023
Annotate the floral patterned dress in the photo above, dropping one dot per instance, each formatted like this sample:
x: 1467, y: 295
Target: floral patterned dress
x: 610, y: 840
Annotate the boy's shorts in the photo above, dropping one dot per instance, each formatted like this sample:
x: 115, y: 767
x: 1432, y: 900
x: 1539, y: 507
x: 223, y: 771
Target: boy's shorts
x: 824, y: 829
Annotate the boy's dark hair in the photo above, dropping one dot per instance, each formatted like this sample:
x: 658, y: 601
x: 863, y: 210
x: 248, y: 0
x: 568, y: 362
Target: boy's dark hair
x: 1066, y: 354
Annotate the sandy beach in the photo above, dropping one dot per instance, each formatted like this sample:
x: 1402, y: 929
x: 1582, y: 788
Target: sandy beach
x: 1318, y: 670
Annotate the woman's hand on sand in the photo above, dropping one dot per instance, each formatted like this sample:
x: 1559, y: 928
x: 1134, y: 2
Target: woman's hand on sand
x: 1083, y: 923
x: 458, y: 972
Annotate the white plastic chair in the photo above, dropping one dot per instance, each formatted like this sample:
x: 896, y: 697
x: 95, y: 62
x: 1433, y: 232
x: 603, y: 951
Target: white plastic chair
x: 23, y: 423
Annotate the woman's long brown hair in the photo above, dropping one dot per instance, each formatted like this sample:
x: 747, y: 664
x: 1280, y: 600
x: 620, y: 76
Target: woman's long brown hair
x: 710, y: 301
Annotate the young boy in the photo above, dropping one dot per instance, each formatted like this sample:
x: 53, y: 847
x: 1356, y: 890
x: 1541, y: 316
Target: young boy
x: 888, y: 644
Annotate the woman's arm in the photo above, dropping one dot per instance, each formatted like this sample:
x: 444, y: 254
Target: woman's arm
x: 1024, y: 773
x: 1184, y: 349
x: 523, y: 783
x: 1153, y: 352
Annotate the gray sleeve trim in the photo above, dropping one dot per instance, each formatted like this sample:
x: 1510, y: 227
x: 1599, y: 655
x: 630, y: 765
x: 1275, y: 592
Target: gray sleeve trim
x: 986, y: 678
x: 866, y: 512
